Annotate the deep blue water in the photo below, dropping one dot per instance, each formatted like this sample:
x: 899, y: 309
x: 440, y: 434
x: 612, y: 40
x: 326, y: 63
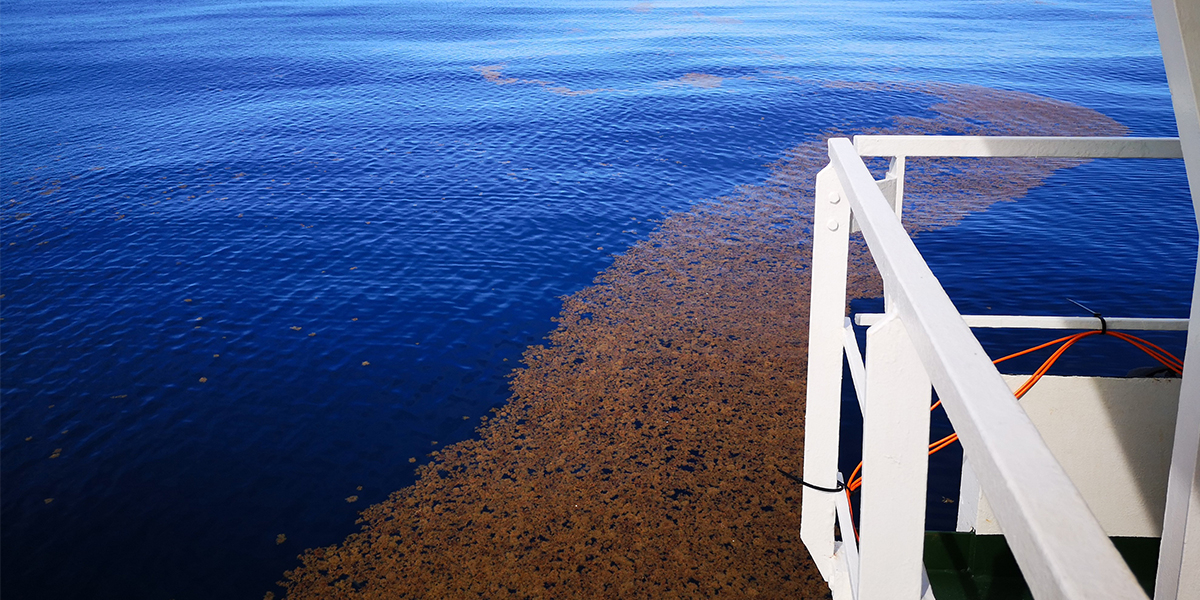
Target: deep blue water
x: 192, y: 190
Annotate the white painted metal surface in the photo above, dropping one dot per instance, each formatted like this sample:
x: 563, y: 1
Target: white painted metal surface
x: 1178, y: 24
x: 968, y: 498
x: 1113, y: 437
x: 999, y: 146
x: 895, y: 466
x: 1044, y: 322
x: 1060, y: 547
x: 892, y: 186
x: 858, y: 371
x: 848, y: 547
x: 822, y: 415
x: 895, y: 173
x: 840, y: 584
x: 1062, y: 550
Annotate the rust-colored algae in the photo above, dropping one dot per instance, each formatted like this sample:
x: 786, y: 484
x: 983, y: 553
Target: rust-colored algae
x: 637, y: 456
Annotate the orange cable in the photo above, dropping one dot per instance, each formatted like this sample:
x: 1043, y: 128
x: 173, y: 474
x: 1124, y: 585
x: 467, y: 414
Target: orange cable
x: 850, y: 506
x: 1166, y: 358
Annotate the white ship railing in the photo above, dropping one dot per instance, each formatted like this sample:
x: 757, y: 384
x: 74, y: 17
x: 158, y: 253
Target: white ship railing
x: 921, y: 341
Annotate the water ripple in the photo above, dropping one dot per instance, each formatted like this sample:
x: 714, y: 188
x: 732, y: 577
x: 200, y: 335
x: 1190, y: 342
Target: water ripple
x: 215, y: 214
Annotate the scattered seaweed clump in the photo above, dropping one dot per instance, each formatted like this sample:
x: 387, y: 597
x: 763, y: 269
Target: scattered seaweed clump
x: 639, y: 454
x: 701, y: 80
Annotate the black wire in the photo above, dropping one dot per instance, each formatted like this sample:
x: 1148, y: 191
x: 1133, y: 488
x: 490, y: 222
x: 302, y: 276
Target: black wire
x: 840, y: 486
x: 1103, y: 323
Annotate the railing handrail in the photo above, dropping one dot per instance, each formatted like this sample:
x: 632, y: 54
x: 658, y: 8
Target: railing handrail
x: 1053, y: 322
x: 1062, y: 550
x: 1017, y: 146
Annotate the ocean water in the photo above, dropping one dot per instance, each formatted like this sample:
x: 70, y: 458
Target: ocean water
x: 256, y: 258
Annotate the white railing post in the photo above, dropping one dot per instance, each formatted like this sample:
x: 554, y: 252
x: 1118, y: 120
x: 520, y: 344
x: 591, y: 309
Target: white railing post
x: 968, y: 498
x: 1179, y: 553
x: 895, y: 173
x: 895, y: 466
x: 892, y: 186
x: 822, y: 412
x: 848, y: 551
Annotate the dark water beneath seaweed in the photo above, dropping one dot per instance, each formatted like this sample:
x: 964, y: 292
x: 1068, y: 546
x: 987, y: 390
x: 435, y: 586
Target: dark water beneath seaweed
x: 256, y: 255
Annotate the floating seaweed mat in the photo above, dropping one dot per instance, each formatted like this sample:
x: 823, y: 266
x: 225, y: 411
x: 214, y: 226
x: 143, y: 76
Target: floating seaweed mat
x: 637, y: 456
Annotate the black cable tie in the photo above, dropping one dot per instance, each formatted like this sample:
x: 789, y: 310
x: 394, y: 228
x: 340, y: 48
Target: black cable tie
x: 1103, y: 323
x: 840, y: 486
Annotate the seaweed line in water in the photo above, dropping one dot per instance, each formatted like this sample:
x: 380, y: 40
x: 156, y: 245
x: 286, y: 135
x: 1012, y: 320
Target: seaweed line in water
x: 641, y: 452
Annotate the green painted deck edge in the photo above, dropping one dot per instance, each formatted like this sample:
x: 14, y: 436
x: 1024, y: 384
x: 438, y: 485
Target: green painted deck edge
x: 981, y: 567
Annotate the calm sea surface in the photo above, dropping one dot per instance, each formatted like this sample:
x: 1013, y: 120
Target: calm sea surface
x: 256, y: 256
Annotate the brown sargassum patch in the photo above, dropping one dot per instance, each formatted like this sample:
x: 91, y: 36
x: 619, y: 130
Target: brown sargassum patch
x: 495, y: 74
x: 638, y: 454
